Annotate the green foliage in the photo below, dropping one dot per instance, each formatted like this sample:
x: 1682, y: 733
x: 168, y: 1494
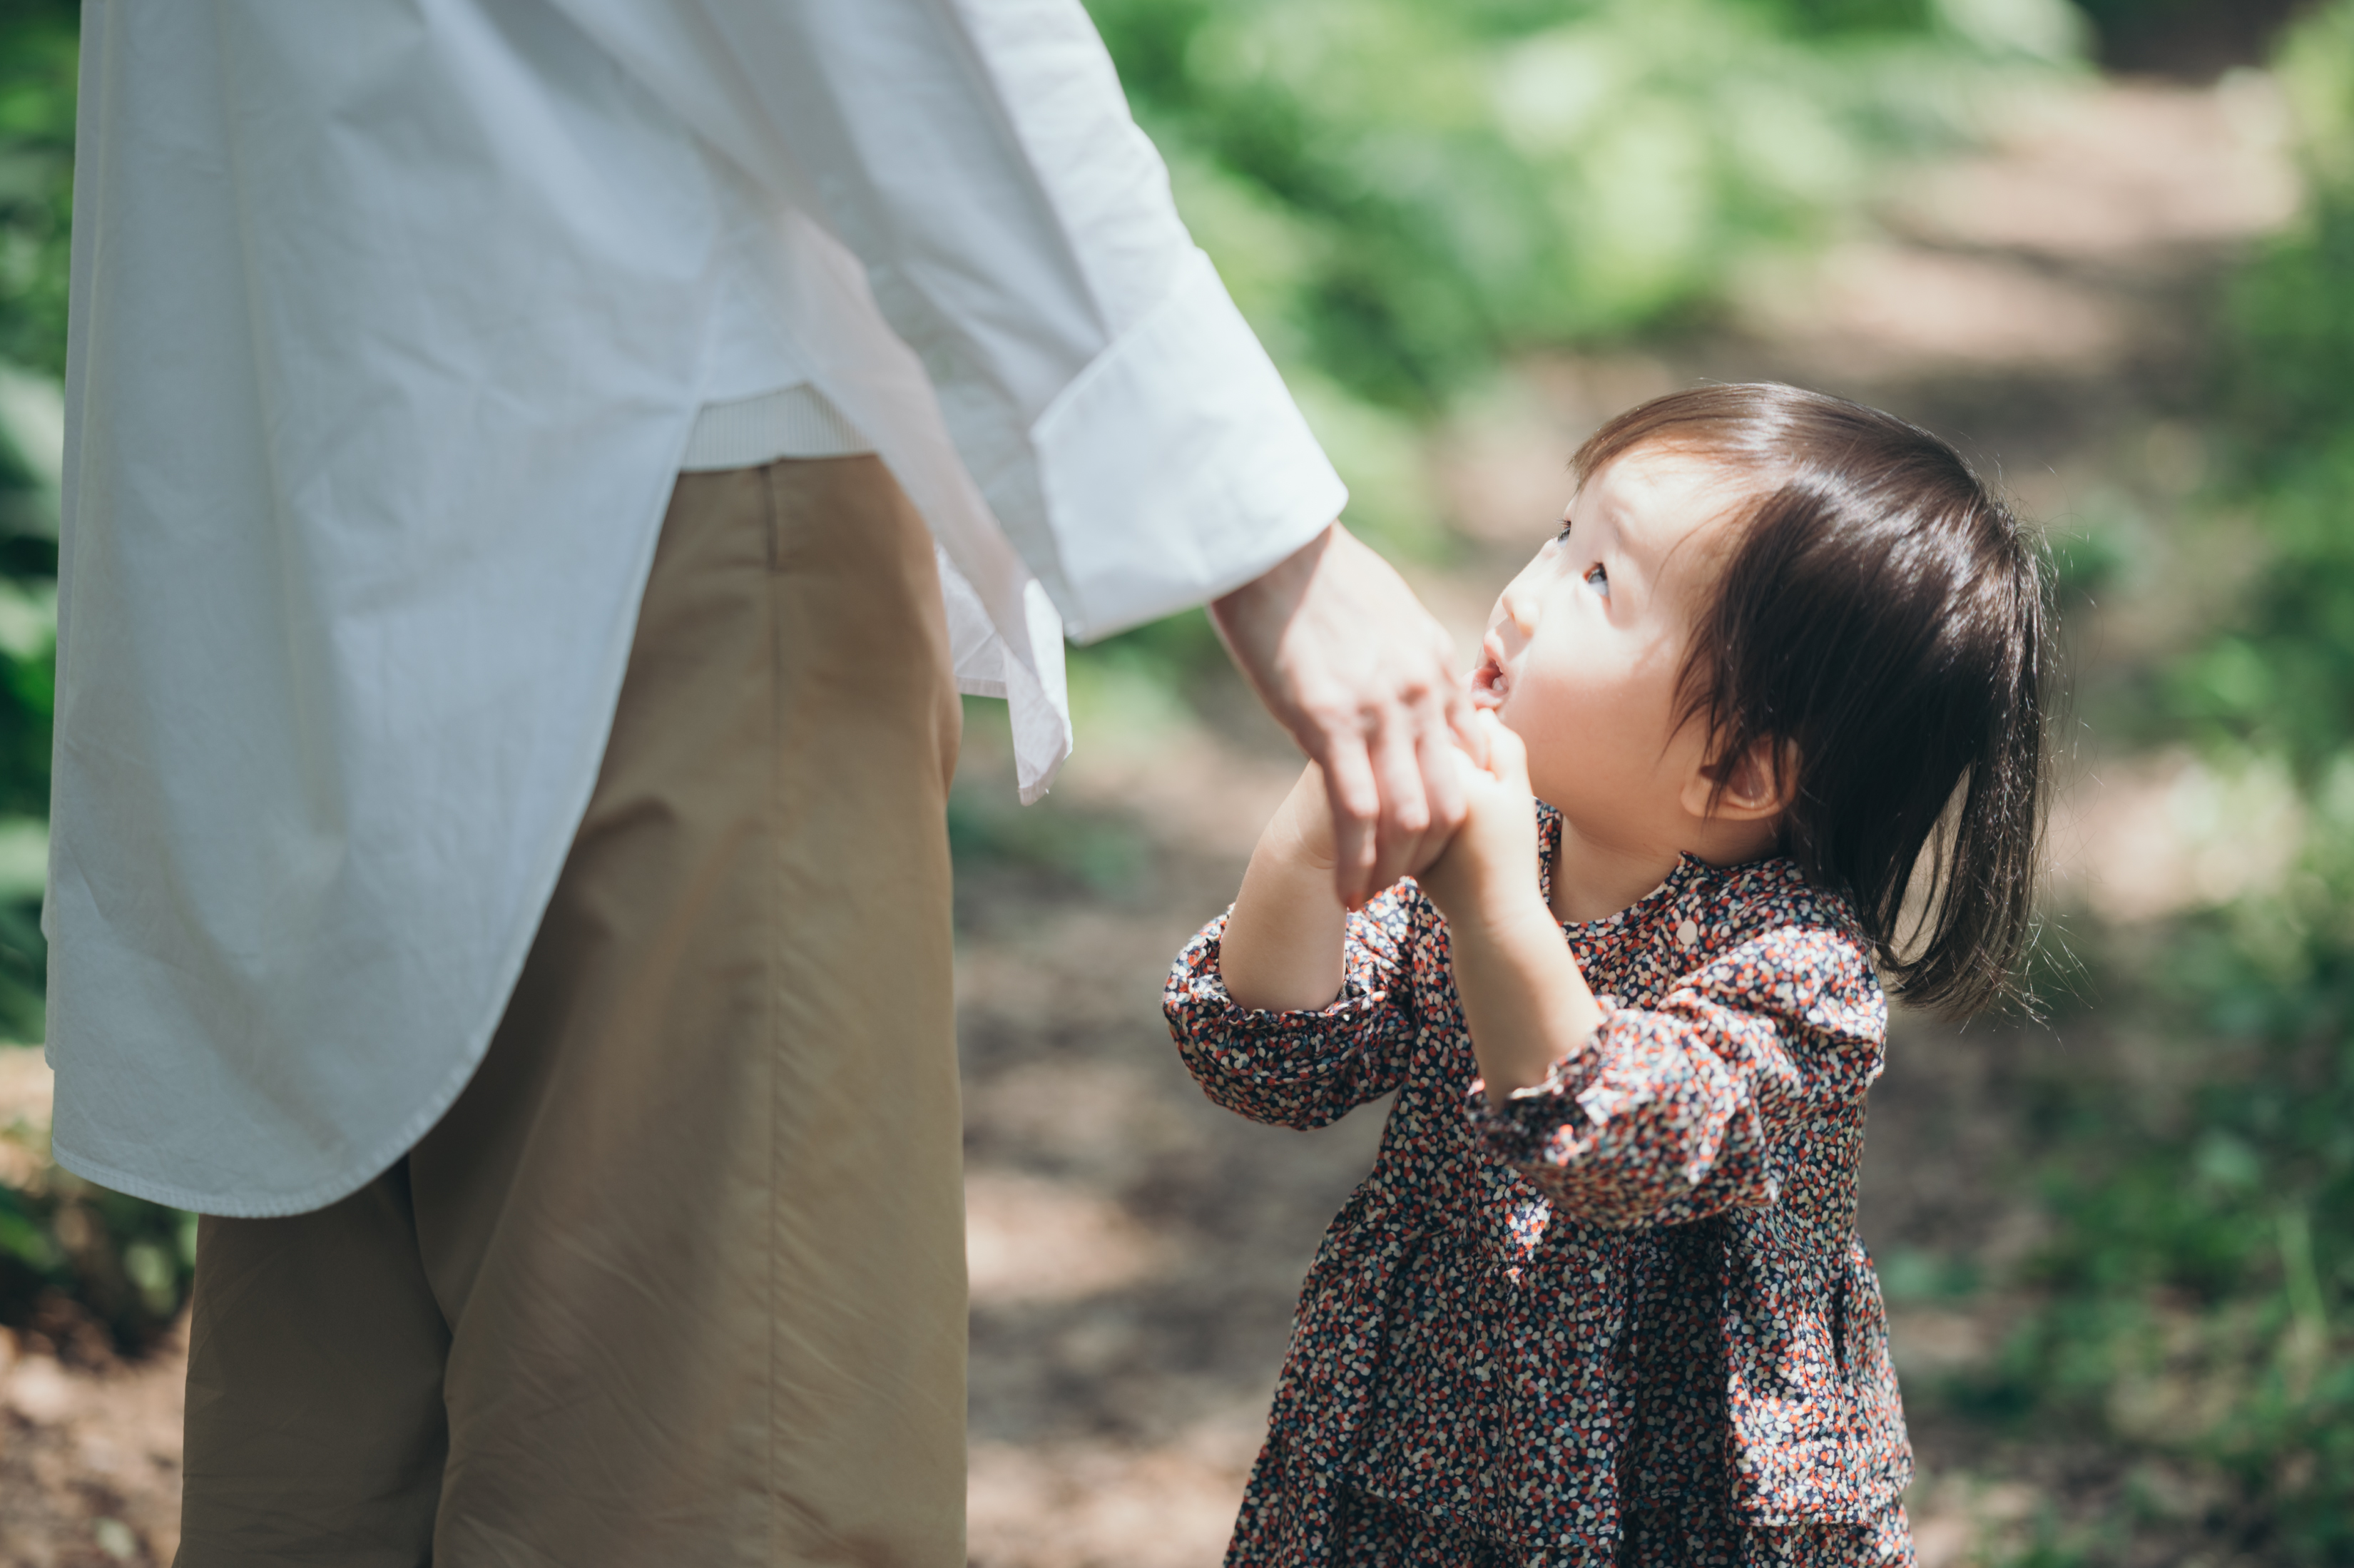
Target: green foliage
x: 37, y: 54
x: 2200, y: 1278
x: 1398, y: 191
x: 122, y: 1262
x: 2108, y: 14
x: 37, y: 58
x: 2282, y: 683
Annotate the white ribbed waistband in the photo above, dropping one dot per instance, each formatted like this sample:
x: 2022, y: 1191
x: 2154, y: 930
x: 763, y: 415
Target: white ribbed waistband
x: 791, y: 422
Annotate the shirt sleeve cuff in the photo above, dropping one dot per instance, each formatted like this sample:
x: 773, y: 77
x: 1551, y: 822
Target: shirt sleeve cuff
x: 1176, y: 467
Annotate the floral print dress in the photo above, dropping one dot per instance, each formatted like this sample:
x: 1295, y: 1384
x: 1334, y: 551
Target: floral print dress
x: 1624, y: 1318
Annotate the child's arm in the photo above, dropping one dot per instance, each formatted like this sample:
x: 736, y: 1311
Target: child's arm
x: 1291, y: 1009
x: 1282, y: 946
x: 1524, y: 1000
x: 1679, y: 1110
x: 1622, y: 1115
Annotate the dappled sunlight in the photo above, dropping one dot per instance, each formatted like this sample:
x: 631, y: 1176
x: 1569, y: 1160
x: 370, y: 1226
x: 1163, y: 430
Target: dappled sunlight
x: 2112, y: 1235
x: 2160, y: 835
x: 1028, y: 1239
x: 2059, y: 255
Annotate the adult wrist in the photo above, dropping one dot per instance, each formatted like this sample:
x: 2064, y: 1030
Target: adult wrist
x: 1285, y: 580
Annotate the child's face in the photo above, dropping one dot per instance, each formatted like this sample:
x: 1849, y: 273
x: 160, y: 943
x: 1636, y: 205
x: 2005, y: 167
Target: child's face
x: 1584, y: 646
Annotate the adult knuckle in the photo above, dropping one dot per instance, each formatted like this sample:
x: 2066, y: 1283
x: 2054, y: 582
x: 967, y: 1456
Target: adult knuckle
x: 1414, y: 683
x: 1330, y: 712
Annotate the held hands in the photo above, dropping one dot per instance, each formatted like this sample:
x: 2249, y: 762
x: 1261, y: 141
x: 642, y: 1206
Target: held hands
x: 1348, y: 660
x: 1487, y: 867
x: 1524, y: 1000
x: 1282, y: 948
x: 1488, y: 872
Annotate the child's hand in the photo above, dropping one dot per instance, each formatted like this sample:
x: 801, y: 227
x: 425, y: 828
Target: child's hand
x: 1524, y: 1000
x: 1489, y: 870
x: 1302, y: 830
x: 1282, y: 949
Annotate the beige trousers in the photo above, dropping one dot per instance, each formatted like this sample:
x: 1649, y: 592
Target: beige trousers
x: 680, y: 1277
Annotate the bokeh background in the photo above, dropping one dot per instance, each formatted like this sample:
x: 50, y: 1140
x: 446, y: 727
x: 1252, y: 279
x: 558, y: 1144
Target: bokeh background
x: 2106, y: 245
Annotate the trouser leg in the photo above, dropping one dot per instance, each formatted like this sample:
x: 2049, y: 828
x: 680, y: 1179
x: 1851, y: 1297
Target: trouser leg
x: 697, y: 1225
x: 708, y: 1294
x: 314, y: 1422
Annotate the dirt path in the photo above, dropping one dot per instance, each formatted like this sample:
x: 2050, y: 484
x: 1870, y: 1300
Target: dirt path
x: 1136, y: 1252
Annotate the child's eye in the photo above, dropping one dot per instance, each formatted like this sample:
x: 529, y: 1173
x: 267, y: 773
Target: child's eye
x: 1563, y: 537
x: 1598, y: 579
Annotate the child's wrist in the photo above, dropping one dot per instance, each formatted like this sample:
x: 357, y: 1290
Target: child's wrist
x: 1299, y: 835
x: 1296, y: 854
x: 1502, y: 915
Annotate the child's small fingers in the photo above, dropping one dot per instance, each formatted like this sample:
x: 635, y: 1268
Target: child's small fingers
x: 1464, y: 721
x: 1508, y: 755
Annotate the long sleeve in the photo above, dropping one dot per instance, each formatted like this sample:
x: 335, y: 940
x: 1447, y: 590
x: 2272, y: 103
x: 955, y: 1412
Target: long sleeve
x: 1675, y: 1111
x: 1017, y: 232
x: 1310, y: 1067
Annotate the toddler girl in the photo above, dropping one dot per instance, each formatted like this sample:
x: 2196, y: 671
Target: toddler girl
x: 1775, y: 688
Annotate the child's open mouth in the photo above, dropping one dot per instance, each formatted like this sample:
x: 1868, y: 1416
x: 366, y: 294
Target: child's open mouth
x: 1489, y: 684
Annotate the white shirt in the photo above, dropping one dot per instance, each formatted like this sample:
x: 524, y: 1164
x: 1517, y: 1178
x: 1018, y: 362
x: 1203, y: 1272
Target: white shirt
x: 391, y: 321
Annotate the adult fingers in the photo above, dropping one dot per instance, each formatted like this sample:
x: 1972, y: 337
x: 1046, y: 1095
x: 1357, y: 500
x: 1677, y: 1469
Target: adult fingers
x: 1404, y: 811
x: 1356, y: 798
x: 1442, y: 780
x: 1446, y: 787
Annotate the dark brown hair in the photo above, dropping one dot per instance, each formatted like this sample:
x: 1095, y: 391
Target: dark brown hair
x: 1879, y: 613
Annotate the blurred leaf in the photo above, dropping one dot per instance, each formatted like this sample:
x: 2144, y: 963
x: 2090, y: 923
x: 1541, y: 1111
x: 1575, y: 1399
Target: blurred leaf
x: 2205, y: 1242
x: 1399, y: 190
x: 37, y: 61
x: 1908, y: 1274
x: 1398, y: 193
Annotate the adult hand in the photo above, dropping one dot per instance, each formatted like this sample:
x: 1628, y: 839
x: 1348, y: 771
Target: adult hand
x: 1349, y: 661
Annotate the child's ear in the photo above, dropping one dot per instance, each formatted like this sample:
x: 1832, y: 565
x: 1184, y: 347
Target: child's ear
x: 1756, y: 785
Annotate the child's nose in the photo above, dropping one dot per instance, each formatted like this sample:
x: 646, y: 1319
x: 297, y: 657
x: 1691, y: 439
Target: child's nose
x: 1519, y: 608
